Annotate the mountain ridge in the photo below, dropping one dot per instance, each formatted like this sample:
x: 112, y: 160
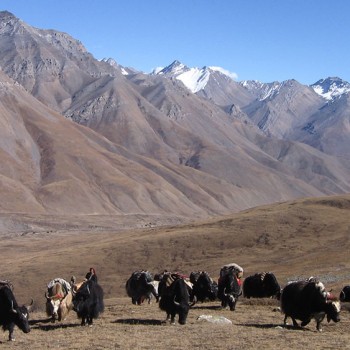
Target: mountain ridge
x: 328, y: 88
x: 286, y: 110
x: 111, y: 140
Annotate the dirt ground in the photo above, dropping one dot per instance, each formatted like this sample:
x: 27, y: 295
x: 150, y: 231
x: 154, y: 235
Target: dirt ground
x: 255, y: 325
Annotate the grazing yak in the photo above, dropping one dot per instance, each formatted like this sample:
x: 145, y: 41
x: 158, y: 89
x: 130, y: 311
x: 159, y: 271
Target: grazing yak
x: 261, y: 285
x: 141, y: 286
x: 174, y: 296
x: 230, y: 285
x: 59, y: 299
x: 11, y: 314
x: 229, y: 290
x: 88, y: 302
x: 345, y: 294
x: 306, y: 300
x: 204, y: 288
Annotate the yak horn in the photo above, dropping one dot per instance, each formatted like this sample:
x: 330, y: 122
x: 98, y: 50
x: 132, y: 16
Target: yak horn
x: 193, y: 302
x: 12, y: 309
x: 29, y: 306
x: 175, y: 302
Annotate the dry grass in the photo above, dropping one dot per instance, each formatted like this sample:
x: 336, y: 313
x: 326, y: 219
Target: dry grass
x: 126, y: 326
x: 293, y: 240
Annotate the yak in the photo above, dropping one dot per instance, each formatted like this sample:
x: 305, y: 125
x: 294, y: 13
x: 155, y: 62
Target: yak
x: 174, y: 298
x: 11, y: 314
x: 261, y: 285
x: 204, y: 288
x: 229, y: 290
x: 306, y: 300
x: 58, y: 299
x: 141, y: 286
x: 88, y: 302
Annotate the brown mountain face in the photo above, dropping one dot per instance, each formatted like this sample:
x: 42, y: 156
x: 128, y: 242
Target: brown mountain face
x: 295, y: 112
x: 52, y: 165
x: 79, y: 137
x: 328, y: 129
x: 285, y: 106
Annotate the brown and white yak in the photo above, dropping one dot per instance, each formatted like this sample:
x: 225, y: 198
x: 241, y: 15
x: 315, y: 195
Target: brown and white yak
x: 58, y: 299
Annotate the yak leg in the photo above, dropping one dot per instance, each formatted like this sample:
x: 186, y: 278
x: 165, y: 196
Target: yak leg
x: 83, y: 321
x: 173, y: 318
x: 295, y: 323
x: 285, y: 320
x: 318, y: 322
x: 319, y: 326
x: 155, y: 294
x: 11, y: 328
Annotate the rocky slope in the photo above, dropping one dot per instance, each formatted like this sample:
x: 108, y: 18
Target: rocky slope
x: 82, y: 136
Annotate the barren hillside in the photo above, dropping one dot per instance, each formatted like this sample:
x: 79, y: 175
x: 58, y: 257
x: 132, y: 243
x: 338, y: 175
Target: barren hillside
x: 292, y: 239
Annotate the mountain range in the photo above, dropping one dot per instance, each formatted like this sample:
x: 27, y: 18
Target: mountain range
x: 89, y: 137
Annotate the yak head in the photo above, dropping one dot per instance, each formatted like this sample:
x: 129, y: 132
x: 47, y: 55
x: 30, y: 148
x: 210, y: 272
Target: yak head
x: 52, y: 306
x: 231, y: 301
x: 333, y: 311
x: 182, y: 309
x: 21, y: 316
x: 231, y: 290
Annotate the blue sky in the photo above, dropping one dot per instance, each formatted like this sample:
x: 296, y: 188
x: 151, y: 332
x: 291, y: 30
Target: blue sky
x: 266, y: 40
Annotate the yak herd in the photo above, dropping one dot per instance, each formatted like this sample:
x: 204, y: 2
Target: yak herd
x: 301, y: 300
x: 175, y: 293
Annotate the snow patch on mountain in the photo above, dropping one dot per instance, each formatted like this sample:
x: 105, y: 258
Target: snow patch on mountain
x: 331, y: 88
x: 115, y: 64
x: 195, y: 79
x: 252, y: 84
x: 270, y: 90
x: 156, y: 70
x: 263, y: 91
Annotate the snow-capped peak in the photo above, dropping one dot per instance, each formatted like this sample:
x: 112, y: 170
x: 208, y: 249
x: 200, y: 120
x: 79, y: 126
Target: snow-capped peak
x: 331, y: 88
x: 113, y: 63
x: 195, y: 79
x: 175, y: 68
x: 252, y: 84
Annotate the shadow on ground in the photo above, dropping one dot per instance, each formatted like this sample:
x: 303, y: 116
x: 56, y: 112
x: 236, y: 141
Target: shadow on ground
x: 272, y: 325
x: 136, y: 321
